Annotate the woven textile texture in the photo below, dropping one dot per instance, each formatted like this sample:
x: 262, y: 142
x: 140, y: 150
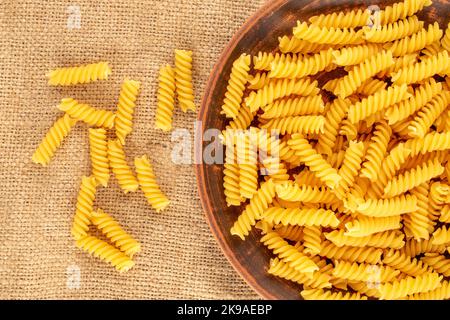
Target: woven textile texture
x: 38, y: 258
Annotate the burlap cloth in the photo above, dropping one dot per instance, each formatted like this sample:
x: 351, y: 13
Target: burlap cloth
x: 38, y: 259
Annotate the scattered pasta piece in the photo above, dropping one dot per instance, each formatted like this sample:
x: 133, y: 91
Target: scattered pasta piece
x: 79, y: 75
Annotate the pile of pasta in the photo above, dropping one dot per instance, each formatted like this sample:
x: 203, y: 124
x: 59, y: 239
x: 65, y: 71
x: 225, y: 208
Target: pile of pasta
x: 107, y: 140
x: 352, y: 192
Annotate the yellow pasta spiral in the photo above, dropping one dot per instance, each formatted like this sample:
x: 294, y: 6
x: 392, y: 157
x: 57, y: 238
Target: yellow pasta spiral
x: 165, y: 98
x: 288, y: 253
x: 299, y: 106
x: 433, y: 141
x: 416, y: 41
x: 305, y: 193
x: 441, y: 236
x: 351, y: 254
x: 334, y: 115
x: 410, y: 285
x: 399, y: 63
x: 438, y: 262
x: 441, y: 293
x: 417, y: 223
x: 84, y: 207
x: 445, y: 214
x: 309, y: 65
x: 53, y: 139
x: 231, y: 178
x: 258, y: 81
x: 392, y: 31
x: 120, y: 168
x: 445, y: 41
x: 292, y: 44
x: 287, y: 154
x: 349, y: 56
x: 424, y: 69
x: 364, y: 272
x: 260, y: 202
x: 264, y: 60
x: 437, y: 198
x: 125, y: 108
x: 432, y: 49
x: 312, y: 239
x: 413, y: 178
x: 301, y: 216
x: 275, y: 169
x: 401, y: 10
x: 113, y: 231
x: 341, y: 19
x: 79, y: 75
x: 406, y: 264
x: 404, y: 203
x: 290, y: 232
x: 314, y: 161
x: 242, y: 120
x: 427, y: 115
x: 365, y: 226
x: 321, y: 294
x: 370, y: 86
x: 350, y: 168
x: 376, y: 151
x: 183, y: 79
x: 365, y: 288
x: 281, y: 269
x: 296, y: 124
x: 101, y: 249
x: 247, y: 161
x: 386, y: 239
x: 422, y: 95
x: 88, y: 114
x: 362, y: 72
x: 280, y: 88
x: 348, y: 129
x: 377, y: 102
x: 324, y: 35
x: 98, y: 146
x: 415, y: 247
x: 149, y: 185
x: 236, y: 86
x: 305, y: 177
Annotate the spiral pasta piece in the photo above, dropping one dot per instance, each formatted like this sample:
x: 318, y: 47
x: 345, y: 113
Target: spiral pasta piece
x: 98, y: 146
x: 281, y: 269
x: 287, y: 154
x: 149, y: 185
x: 445, y: 214
x: 120, y: 168
x: 314, y: 161
x: 264, y: 60
x: 365, y: 288
x: 376, y: 151
x: 418, y: 222
x: 324, y: 35
x: 399, y: 63
x: 231, y: 178
x: 386, y: 239
x: 288, y: 253
x: 258, y: 81
x: 299, y: 68
x: 350, y: 168
x: 101, y: 249
x: 441, y: 236
x: 422, y: 95
x: 433, y: 141
x: 401, y: 10
x: 370, y: 86
x: 79, y: 75
x: 354, y: 271
x: 290, y: 232
x: 406, y: 264
x: 312, y: 239
x: 236, y: 86
x: 364, y: 226
x: 242, y: 120
x: 349, y: 56
x: 113, y: 231
x: 414, y: 247
x: 280, y: 88
x: 362, y: 72
x: 445, y: 41
x: 416, y: 41
x: 305, y: 193
x: 334, y: 115
x: 341, y: 19
x: 438, y: 262
x: 301, y: 217
x: 88, y: 114
x: 404, y: 203
x: 296, y: 124
x: 183, y: 80
x: 124, y: 116
x: 377, y: 102
x: 350, y: 254
x: 165, y: 98
x: 288, y: 44
x: 248, y: 167
x: 441, y: 293
x: 306, y: 177
x: 53, y: 139
x: 413, y: 178
x: 392, y: 31
x: 260, y: 202
x: 427, y: 115
x: 321, y: 294
x: 299, y: 106
x: 424, y: 69
x: 437, y: 198
x: 84, y: 207
x: 275, y: 169
x: 410, y: 285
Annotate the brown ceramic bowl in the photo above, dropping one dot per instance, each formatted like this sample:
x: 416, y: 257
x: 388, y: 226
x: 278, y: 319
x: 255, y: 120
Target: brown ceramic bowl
x: 260, y: 33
